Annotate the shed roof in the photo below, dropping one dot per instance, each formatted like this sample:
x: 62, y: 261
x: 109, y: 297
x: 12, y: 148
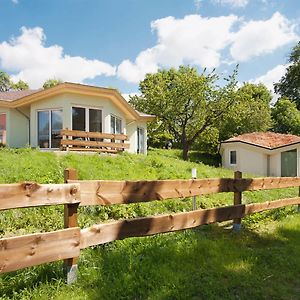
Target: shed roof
x: 268, y: 140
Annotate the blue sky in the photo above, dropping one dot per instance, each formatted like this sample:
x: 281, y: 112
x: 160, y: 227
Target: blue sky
x: 114, y: 43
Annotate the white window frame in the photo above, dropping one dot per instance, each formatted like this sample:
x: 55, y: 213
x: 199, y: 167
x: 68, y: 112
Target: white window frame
x: 116, y: 117
x: 87, y: 116
x: 50, y: 125
x: 231, y: 164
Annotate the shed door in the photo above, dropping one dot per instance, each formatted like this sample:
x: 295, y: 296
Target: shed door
x: 289, y: 163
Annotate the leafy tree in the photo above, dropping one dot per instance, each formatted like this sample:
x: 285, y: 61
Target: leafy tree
x: 20, y: 85
x: 51, y: 82
x: 286, y: 117
x: 6, y: 84
x: 289, y: 85
x: 186, y: 103
x: 249, y: 112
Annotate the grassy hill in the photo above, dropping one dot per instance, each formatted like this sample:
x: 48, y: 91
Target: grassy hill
x: 262, y: 262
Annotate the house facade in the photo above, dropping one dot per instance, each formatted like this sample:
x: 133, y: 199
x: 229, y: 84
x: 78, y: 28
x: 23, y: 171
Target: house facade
x: 35, y: 117
x: 262, y: 153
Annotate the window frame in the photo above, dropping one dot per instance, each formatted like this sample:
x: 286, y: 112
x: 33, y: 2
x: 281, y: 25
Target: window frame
x: 230, y: 162
x: 49, y: 110
x: 87, y: 116
x: 115, y: 125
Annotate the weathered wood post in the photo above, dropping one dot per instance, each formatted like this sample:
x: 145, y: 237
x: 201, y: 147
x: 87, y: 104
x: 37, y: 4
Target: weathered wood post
x: 194, y: 176
x: 236, y: 201
x: 70, y: 220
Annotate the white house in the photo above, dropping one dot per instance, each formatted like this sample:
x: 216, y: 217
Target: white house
x: 262, y: 153
x: 35, y: 117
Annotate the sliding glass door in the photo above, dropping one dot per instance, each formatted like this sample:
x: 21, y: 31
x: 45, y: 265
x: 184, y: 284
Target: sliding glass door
x: 87, y: 119
x: 140, y: 140
x: 50, y: 123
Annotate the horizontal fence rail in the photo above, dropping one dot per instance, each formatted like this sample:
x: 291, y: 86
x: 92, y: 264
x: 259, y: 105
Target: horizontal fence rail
x: 35, y: 249
x: 108, y: 232
x: 105, y: 192
x: 30, y: 194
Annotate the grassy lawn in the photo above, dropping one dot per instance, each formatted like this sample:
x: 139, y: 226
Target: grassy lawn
x: 211, y: 262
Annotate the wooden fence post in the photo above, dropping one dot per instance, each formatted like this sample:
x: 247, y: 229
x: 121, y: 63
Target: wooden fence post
x: 236, y: 201
x: 70, y: 220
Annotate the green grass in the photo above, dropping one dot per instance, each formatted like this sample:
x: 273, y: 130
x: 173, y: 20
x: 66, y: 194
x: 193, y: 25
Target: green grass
x: 262, y: 262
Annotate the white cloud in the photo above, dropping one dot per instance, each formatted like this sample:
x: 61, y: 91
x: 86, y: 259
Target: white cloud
x: 234, y: 3
x: 201, y: 41
x: 270, y: 77
x: 261, y: 37
x: 30, y: 60
x: 194, y: 40
x: 15, y: 1
x: 127, y: 96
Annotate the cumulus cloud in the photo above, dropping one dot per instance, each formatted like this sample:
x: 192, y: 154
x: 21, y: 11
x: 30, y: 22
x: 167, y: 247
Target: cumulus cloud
x: 255, y: 38
x: 203, y: 42
x: 194, y: 40
x: 270, y: 77
x: 27, y: 57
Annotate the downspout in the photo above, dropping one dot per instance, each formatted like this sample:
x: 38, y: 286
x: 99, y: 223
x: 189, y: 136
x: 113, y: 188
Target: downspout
x: 28, y: 118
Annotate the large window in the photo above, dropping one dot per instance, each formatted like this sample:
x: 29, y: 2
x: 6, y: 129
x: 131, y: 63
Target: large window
x: 49, y: 125
x: 86, y: 119
x: 3, y: 128
x: 115, y: 125
x: 140, y: 140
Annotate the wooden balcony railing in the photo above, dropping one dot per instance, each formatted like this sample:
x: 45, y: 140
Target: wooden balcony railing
x: 75, y: 140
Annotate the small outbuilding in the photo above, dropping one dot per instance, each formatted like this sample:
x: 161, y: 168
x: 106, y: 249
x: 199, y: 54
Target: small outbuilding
x: 262, y: 153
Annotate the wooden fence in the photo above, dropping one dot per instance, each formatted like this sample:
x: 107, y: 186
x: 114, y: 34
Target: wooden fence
x: 75, y: 140
x: 34, y: 249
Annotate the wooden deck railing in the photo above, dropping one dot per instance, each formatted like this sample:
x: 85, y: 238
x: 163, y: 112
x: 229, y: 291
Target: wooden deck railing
x: 34, y: 249
x: 75, y: 140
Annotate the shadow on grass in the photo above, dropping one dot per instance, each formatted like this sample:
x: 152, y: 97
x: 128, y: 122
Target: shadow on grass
x: 209, y: 262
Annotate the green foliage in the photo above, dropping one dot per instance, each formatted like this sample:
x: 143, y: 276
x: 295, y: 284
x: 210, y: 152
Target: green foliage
x: 186, y: 103
x: 20, y: 85
x: 286, y: 117
x: 209, y: 262
x: 6, y: 84
x: 250, y: 111
x: 289, y: 85
x: 51, y: 82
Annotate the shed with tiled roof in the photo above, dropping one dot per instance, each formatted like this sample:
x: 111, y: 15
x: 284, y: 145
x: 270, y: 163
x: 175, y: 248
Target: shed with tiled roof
x: 262, y: 153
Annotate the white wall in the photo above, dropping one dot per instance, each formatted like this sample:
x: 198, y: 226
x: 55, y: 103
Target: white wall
x: 66, y: 101
x: 252, y: 159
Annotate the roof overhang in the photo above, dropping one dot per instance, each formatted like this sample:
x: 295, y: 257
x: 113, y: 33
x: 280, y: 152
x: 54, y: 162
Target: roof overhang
x: 80, y: 89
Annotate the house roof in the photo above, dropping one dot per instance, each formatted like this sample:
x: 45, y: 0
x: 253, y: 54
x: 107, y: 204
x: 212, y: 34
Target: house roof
x: 268, y: 140
x: 14, y: 99
x: 14, y: 95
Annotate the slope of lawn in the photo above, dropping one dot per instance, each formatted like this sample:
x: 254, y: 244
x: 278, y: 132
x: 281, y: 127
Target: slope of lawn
x: 210, y: 262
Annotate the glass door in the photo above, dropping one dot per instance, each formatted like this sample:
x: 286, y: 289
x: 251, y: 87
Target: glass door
x: 49, y: 125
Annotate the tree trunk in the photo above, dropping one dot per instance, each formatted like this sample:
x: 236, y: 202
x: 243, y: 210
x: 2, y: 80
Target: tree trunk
x: 186, y: 148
